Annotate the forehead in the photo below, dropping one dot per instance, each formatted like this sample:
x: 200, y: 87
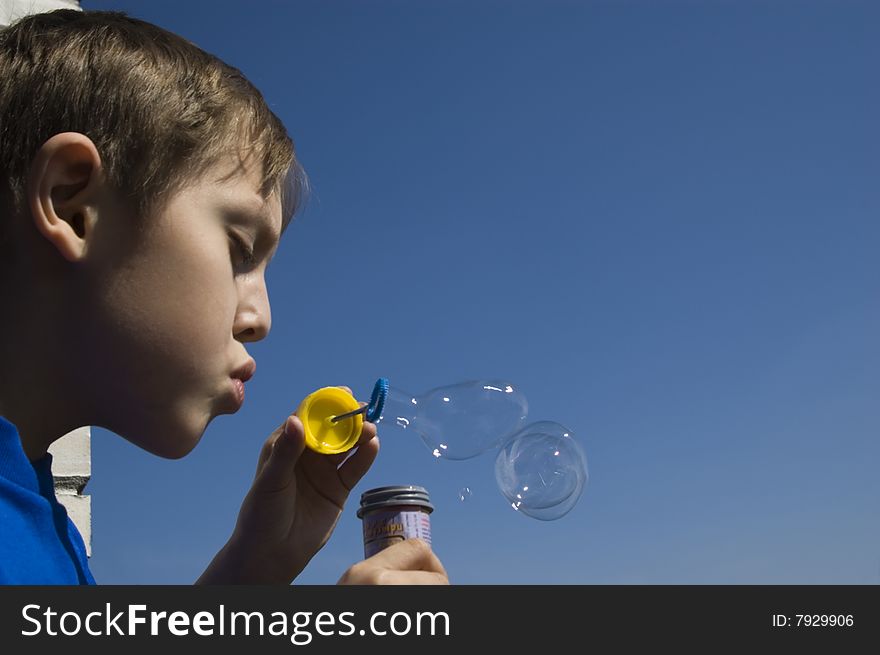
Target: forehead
x: 235, y: 184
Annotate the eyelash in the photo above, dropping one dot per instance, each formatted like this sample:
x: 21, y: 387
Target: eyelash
x: 247, y: 255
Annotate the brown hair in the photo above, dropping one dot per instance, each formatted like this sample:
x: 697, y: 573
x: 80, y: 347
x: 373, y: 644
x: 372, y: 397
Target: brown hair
x: 159, y: 109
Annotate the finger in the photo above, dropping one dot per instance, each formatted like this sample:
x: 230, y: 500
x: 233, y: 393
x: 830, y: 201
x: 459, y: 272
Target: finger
x: 277, y: 473
x: 368, y: 432
x: 354, y: 468
x: 414, y: 578
x: 266, y: 450
x: 407, y: 555
x: 406, y: 578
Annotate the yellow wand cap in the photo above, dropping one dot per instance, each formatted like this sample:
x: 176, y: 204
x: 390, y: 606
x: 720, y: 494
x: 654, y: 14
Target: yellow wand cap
x: 322, y: 434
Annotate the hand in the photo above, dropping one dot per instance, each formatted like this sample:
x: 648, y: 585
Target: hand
x: 292, y: 507
x: 408, y: 562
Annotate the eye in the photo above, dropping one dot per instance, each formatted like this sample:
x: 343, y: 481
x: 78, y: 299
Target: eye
x: 247, y: 255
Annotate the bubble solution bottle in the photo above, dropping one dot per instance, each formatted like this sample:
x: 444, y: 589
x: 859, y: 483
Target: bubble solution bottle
x: 392, y: 514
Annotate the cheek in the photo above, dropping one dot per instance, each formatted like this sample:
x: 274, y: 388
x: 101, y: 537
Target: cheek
x: 177, y: 307
x: 197, y: 313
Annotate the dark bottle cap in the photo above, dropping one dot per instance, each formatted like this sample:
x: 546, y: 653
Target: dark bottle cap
x: 408, y: 494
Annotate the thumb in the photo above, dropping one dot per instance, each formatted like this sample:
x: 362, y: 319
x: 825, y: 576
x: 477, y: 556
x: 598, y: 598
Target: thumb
x: 286, y: 449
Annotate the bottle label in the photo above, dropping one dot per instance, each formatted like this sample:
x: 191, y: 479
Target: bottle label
x: 384, y: 528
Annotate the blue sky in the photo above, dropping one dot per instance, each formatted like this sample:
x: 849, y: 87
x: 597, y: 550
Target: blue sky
x: 657, y: 219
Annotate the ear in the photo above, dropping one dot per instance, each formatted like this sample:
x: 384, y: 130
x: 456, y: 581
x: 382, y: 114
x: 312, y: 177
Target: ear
x: 64, y: 186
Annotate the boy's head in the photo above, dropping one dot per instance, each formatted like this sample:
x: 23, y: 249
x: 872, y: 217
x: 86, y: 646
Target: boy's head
x: 158, y: 109
x: 136, y: 174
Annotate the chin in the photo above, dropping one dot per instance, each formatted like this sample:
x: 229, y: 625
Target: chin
x: 167, y: 442
x: 176, y: 451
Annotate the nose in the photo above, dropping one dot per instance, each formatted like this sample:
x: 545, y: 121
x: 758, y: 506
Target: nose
x: 253, y: 316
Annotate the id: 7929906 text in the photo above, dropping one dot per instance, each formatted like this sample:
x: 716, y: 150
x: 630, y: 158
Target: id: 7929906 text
x: 812, y: 621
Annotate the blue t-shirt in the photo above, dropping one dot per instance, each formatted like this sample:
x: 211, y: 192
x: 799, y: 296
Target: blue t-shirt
x: 39, y: 544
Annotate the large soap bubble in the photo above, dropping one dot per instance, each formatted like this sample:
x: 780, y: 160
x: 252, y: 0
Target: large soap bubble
x: 458, y: 421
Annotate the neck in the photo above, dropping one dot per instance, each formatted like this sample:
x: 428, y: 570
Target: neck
x: 36, y: 393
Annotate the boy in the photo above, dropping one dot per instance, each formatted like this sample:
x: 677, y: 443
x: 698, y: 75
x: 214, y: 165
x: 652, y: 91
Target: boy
x: 144, y: 187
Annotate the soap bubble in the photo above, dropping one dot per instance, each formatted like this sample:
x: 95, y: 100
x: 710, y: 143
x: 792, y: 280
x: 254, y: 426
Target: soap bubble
x: 458, y: 421
x: 541, y: 470
x: 465, y: 494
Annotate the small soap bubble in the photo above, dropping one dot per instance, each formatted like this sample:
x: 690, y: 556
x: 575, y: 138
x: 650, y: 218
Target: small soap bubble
x: 541, y: 471
x: 464, y: 494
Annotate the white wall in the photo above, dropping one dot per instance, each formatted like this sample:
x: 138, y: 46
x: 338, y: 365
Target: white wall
x: 72, y: 468
x: 11, y: 10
